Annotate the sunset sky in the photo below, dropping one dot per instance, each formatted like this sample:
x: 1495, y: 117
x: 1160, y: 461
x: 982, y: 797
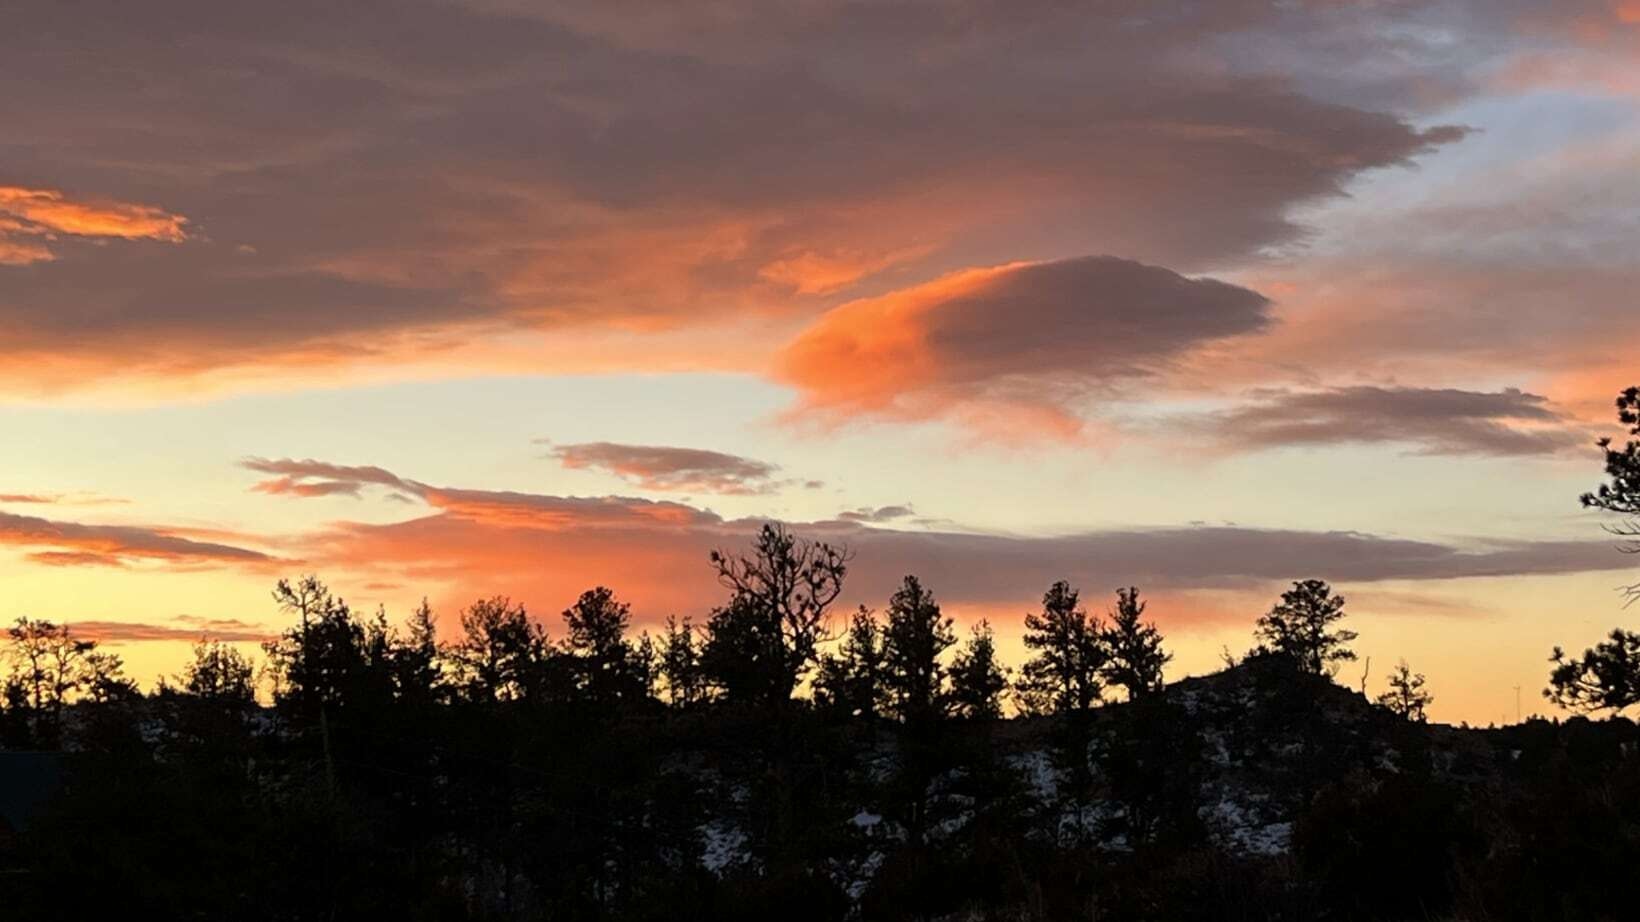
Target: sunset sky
x: 466, y: 298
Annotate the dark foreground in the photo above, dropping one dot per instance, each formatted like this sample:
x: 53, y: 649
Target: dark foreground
x: 1258, y: 793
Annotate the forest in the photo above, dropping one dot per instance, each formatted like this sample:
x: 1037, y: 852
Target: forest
x: 783, y: 759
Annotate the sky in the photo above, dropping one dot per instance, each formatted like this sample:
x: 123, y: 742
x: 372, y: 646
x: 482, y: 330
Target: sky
x: 457, y: 299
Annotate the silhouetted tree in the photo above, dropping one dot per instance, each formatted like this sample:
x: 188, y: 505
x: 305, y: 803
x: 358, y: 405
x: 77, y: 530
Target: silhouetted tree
x: 418, y: 675
x: 501, y: 653
x: 1406, y: 696
x: 646, y: 666
x: 1133, y: 647
x: 680, y: 668
x: 1063, y: 675
x: 1622, y: 494
x: 219, y: 673
x: 329, y: 661
x: 105, y: 679
x: 762, y: 644
x: 850, y: 682
x: 978, y: 681
x: 1298, y: 627
x: 915, y: 635
x: 16, y: 717
x: 603, y: 661
x: 50, y: 666
x: 1606, y: 677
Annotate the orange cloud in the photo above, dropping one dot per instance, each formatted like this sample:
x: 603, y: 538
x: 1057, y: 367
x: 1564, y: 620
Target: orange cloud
x: 47, y: 213
x: 66, y: 499
x: 814, y: 273
x: 545, y: 549
x: 1022, y: 340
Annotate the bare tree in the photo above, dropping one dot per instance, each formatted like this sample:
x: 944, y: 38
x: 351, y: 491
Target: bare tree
x: 49, y: 665
x: 780, y: 594
x: 1406, y: 696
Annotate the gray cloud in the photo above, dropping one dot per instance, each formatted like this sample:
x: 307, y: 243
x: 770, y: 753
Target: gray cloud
x: 309, y: 478
x: 182, y: 627
x: 666, y: 468
x: 879, y: 514
x: 1441, y: 421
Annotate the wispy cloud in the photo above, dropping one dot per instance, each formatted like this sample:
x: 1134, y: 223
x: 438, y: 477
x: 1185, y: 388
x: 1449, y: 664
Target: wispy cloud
x: 545, y: 548
x: 675, y: 470
x: 181, y: 627
x: 62, y: 499
x: 60, y: 543
x: 31, y: 219
x: 1441, y: 421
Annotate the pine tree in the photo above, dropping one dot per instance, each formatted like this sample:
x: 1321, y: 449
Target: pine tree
x: 850, y: 682
x: 915, y: 636
x: 1134, y: 648
x: 219, y: 673
x: 1063, y: 676
x: 417, y: 673
x: 597, y: 649
x: 680, y: 668
x: 977, y: 679
x: 1606, y: 677
x: 1297, y: 627
x: 501, y: 654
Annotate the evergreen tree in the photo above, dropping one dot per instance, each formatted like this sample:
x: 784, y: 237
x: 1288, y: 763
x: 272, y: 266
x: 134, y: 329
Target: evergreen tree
x: 104, y: 678
x: 1064, y: 674
x: 1622, y: 494
x: 318, y: 663
x: 1605, y: 677
x: 680, y: 669
x: 850, y: 682
x: 977, y: 679
x: 219, y: 673
x: 501, y: 653
x: 646, y: 667
x: 418, y: 675
x: 915, y: 636
x: 603, y: 660
x: 1133, y: 647
x: 1406, y: 696
x: 1298, y: 627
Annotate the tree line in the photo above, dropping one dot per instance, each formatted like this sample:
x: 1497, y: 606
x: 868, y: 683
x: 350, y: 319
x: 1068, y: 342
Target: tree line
x: 768, y: 646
